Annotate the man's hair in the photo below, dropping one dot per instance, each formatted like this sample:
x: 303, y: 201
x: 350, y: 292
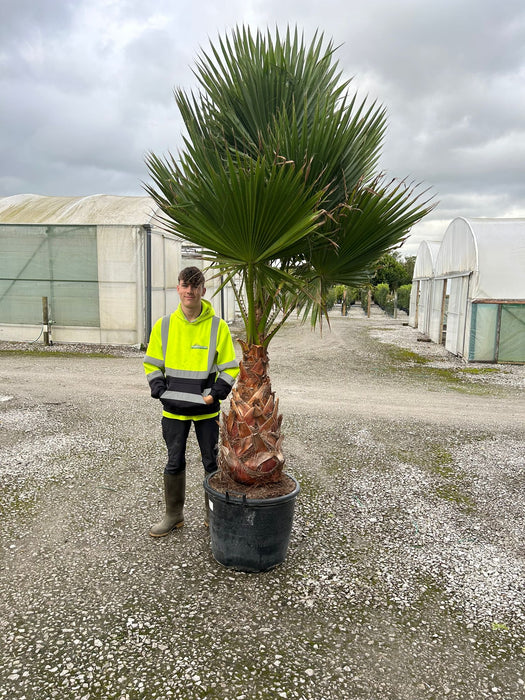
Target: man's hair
x: 192, y: 276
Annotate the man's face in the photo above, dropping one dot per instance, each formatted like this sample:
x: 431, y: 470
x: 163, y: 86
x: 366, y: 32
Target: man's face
x: 190, y: 296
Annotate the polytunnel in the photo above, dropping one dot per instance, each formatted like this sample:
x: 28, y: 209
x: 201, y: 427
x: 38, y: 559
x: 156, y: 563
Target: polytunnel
x: 422, y: 285
x: 99, y: 264
x: 478, y: 296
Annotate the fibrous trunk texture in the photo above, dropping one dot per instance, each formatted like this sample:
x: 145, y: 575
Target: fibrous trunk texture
x: 250, y: 450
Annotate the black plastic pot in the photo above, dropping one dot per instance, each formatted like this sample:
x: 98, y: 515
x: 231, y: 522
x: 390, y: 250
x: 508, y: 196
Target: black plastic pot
x: 250, y: 534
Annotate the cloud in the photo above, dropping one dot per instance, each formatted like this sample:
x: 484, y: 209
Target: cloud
x: 87, y: 89
x: 22, y: 18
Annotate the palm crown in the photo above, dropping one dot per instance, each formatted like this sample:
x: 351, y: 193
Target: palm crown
x: 277, y: 183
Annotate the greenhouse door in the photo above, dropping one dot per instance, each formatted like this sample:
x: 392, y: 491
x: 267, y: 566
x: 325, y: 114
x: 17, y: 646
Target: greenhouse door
x: 425, y: 306
x: 456, y: 314
x: 436, y: 313
x: 415, y: 298
x: 444, y: 314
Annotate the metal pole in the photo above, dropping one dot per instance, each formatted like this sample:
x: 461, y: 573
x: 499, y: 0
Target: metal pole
x: 147, y: 229
x: 45, y: 320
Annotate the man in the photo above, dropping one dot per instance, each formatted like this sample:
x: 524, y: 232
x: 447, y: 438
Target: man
x: 190, y: 365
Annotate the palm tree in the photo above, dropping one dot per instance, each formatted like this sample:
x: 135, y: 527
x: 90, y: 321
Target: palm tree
x: 277, y: 181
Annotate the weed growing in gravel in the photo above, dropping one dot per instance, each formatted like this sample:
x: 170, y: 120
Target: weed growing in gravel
x: 479, y: 370
x: 55, y: 353
x: 424, y: 454
x: 452, y: 483
x: 13, y: 502
x: 403, y: 355
x: 441, y: 460
x: 449, y: 484
x: 452, y: 492
x: 456, y: 378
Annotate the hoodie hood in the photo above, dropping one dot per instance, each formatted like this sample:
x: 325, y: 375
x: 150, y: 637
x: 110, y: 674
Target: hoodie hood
x: 206, y: 313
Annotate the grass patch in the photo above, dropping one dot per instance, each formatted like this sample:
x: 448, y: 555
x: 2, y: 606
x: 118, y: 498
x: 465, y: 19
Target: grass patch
x: 449, y: 484
x: 453, y: 493
x: 417, y: 367
x: 404, y: 355
x: 433, y: 457
x: 447, y: 375
x: 16, y: 504
x: 441, y: 460
x: 56, y: 353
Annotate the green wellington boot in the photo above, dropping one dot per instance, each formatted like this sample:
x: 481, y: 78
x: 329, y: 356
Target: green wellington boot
x: 174, y: 495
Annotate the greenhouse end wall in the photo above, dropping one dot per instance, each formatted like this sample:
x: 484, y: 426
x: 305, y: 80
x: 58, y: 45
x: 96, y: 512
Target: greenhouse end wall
x: 56, y: 263
x: 93, y: 277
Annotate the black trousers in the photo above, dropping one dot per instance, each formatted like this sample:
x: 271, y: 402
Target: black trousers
x: 175, y: 433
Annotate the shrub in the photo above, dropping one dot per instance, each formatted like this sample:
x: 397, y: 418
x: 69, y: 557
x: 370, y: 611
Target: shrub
x: 352, y: 295
x: 380, y: 294
x: 389, y: 306
x: 403, y: 297
x: 331, y: 298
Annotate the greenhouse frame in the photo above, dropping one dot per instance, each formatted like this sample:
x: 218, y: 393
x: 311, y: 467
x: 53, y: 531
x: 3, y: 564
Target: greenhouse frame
x: 100, y: 265
x: 469, y: 294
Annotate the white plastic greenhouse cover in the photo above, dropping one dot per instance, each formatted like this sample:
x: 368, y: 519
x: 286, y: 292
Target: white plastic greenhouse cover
x: 97, y: 209
x: 492, y: 249
x: 423, y: 280
x: 426, y: 260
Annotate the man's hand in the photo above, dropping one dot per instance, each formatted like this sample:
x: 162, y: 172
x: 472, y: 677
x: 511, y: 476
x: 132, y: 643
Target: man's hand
x: 208, y: 399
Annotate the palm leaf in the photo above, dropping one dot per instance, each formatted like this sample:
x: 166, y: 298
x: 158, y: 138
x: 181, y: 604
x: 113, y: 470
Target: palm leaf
x: 241, y: 210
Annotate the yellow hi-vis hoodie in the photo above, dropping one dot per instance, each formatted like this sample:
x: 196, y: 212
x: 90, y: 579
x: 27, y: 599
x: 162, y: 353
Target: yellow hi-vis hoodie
x: 186, y: 360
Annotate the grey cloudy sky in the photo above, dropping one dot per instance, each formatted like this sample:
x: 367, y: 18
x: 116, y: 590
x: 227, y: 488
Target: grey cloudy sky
x: 86, y: 90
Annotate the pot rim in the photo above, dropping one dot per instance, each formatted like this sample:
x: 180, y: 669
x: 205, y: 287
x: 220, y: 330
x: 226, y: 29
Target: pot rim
x: 244, y: 501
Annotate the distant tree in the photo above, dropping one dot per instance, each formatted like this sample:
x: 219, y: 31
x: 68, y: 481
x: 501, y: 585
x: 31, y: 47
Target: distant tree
x: 339, y: 291
x: 390, y: 270
x: 409, y: 264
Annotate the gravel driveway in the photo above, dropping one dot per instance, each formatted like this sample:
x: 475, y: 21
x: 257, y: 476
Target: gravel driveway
x: 405, y: 577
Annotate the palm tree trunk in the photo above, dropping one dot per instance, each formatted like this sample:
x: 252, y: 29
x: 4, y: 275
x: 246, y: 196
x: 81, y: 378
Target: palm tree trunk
x: 250, y: 450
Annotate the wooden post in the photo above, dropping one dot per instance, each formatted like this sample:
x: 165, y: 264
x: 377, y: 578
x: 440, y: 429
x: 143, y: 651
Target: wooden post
x: 369, y: 303
x: 45, y: 320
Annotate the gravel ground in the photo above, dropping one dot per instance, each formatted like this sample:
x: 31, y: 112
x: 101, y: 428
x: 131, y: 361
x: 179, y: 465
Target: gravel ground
x: 405, y: 576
